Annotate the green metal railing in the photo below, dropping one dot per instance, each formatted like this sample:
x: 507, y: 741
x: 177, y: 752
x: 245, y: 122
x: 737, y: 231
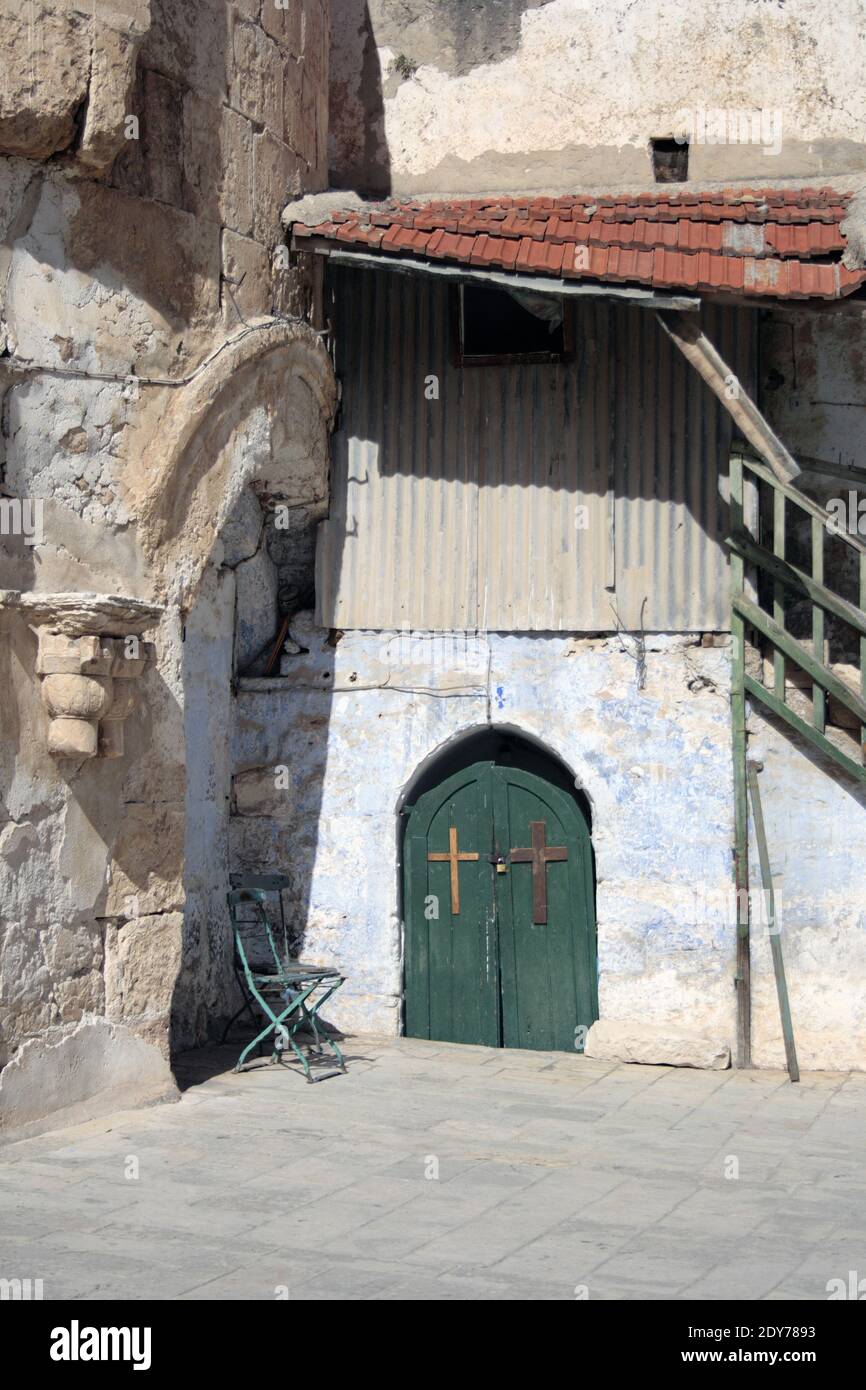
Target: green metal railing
x: 750, y: 560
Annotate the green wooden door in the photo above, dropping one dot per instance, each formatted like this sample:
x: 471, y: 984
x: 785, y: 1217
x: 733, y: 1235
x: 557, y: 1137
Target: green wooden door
x: 502, y: 954
x: 452, y: 970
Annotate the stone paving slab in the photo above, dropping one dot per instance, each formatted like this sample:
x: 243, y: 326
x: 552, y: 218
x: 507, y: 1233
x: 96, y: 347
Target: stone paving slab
x: 435, y: 1172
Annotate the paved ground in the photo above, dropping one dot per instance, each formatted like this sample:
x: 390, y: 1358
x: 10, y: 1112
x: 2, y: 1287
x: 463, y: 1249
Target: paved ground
x: 437, y: 1172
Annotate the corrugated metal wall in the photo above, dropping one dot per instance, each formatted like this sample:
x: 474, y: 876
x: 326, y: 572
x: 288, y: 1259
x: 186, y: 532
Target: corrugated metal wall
x: 524, y: 498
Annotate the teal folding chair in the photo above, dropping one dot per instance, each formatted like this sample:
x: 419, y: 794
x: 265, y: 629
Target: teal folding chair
x: 289, y: 993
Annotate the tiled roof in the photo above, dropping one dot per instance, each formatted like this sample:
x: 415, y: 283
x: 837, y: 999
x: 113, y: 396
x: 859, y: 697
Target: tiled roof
x: 785, y: 243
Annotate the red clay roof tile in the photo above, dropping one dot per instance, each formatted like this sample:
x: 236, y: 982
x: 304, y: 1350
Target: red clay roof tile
x: 782, y: 243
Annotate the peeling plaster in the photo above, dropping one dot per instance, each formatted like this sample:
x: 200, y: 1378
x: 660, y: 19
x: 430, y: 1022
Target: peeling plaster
x: 574, y: 94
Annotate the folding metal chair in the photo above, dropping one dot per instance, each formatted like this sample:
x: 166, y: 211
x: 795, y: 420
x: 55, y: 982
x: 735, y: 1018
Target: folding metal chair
x: 289, y: 993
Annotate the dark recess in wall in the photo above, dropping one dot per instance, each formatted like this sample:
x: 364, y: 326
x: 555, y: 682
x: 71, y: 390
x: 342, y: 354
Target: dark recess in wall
x: 670, y: 160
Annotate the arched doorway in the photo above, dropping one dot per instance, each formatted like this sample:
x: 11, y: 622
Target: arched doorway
x: 499, y: 900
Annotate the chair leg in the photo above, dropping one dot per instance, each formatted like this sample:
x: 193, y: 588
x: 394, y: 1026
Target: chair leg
x: 277, y: 1025
x: 245, y: 1006
x: 311, y: 1016
x: 300, y: 1056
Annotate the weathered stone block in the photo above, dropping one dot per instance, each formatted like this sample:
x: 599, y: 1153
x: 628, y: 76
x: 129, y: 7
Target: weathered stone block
x: 319, y: 175
x: 154, y: 781
x: 278, y: 179
x: 74, y: 956
x: 60, y: 655
x: 236, y: 181
x: 166, y: 258
x: 246, y: 272
x: 39, y: 98
x: 123, y: 701
x: 98, y: 655
x: 256, y: 88
x: 142, y: 962
x: 148, y: 162
x: 112, y: 78
x: 613, y: 1040
x: 72, y: 738
x: 300, y: 112
x: 293, y: 77
x: 161, y: 138
x: 316, y: 43
x: 217, y: 163
x: 98, y: 1064
x: 111, y: 740
x: 189, y: 42
x: 242, y: 532
x: 147, y: 870
x: 284, y: 23
x: 257, y: 588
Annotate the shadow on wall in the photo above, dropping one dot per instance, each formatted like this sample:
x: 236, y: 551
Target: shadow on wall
x: 453, y: 36
x: 263, y: 817
x: 619, y: 449
x: 277, y: 825
x: 269, y: 438
x: 357, y: 144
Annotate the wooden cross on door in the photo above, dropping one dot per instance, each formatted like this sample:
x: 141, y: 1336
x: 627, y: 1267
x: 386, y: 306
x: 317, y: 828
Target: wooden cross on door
x: 453, y: 857
x: 539, y: 856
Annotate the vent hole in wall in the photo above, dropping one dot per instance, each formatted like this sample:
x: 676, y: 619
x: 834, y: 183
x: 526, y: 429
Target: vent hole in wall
x: 670, y: 160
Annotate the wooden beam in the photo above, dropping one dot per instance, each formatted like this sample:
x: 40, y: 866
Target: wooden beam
x: 796, y: 652
x: 805, y: 503
x: 697, y: 349
x: 775, y: 938
x: 854, y: 477
x: 743, y: 977
x: 798, y: 580
x: 538, y: 284
x: 756, y: 691
x: 820, y: 653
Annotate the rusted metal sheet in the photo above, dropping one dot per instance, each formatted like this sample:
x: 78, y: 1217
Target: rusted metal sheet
x: 526, y: 497
x: 672, y: 442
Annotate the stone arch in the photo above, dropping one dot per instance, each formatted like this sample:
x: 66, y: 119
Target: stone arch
x: 259, y: 409
x: 461, y: 750
x: 459, y: 746
x: 200, y: 453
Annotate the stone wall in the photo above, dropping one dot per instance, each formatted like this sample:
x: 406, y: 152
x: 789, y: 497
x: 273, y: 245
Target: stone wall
x: 655, y: 764
x: 161, y: 394
x: 324, y: 757
x: 558, y: 95
x: 155, y: 368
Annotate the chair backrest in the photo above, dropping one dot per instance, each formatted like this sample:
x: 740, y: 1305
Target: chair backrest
x: 257, y: 898
x: 269, y: 883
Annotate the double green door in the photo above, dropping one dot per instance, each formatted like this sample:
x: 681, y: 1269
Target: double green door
x: 499, y: 913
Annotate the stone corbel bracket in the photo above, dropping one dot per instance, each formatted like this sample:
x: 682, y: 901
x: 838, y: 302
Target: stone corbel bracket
x: 90, y: 656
